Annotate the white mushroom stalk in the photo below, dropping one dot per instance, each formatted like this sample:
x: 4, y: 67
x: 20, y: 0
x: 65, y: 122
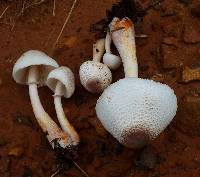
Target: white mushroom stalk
x: 111, y: 60
x: 134, y: 110
x: 31, y: 69
x: 61, y: 81
x: 123, y: 36
x: 95, y: 76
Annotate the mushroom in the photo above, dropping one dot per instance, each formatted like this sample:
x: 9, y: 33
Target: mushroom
x: 95, y: 76
x: 32, y: 69
x: 61, y: 82
x: 134, y: 110
x: 111, y: 60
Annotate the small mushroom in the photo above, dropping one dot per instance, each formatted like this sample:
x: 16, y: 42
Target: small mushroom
x: 95, y: 76
x: 134, y: 110
x: 61, y: 82
x: 32, y: 69
x: 111, y: 60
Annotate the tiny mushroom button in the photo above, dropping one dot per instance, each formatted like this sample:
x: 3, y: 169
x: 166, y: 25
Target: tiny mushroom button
x: 95, y: 76
x: 61, y: 82
x: 111, y: 60
x: 32, y: 69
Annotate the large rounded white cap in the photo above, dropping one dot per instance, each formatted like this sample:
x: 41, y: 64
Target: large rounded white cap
x: 95, y: 76
x: 66, y: 77
x: 111, y: 60
x: 33, y: 57
x: 136, y: 110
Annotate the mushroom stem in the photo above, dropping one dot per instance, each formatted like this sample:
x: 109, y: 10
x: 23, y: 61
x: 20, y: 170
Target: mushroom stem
x: 108, y: 42
x: 65, y: 124
x: 46, y: 123
x: 98, y: 50
x: 123, y: 36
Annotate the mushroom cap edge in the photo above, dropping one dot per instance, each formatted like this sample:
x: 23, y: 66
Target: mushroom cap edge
x: 30, y: 58
x: 66, y: 77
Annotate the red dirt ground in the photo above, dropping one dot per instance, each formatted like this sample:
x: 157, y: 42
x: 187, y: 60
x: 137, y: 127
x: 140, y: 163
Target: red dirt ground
x: 173, y: 43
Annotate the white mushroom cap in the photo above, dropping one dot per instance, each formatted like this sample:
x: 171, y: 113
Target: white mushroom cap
x: 95, y: 76
x: 111, y: 60
x: 30, y: 58
x: 136, y: 110
x: 66, y: 77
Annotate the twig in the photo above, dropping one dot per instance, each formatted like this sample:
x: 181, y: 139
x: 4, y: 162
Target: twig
x: 66, y: 21
x: 141, y: 36
x: 34, y: 4
x: 54, y: 7
x: 1, y: 16
x: 60, y: 168
x: 23, y: 6
x: 82, y: 171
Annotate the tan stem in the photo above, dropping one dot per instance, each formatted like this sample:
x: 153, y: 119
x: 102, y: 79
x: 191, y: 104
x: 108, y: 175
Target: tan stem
x: 123, y: 36
x: 54, y: 133
x: 65, y: 124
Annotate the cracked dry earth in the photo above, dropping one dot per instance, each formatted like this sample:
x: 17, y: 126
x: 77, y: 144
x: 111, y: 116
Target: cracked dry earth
x: 170, y: 54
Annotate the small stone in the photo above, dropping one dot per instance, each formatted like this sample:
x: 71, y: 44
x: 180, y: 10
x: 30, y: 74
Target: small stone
x: 148, y: 158
x: 16, y: 151
x: 195, y: 11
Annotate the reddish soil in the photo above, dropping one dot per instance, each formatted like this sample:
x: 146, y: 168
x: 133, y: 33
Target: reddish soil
x: 173, y: 43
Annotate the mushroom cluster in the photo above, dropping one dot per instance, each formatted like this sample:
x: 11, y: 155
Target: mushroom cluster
x: 34, y: 68
x: 134, y: 110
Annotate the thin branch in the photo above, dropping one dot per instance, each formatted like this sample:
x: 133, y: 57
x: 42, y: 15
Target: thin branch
x: 34, y: 4
x: 1, y: 16
x: 66, y: 21
x: 82, y: 171
x: 54, y: 7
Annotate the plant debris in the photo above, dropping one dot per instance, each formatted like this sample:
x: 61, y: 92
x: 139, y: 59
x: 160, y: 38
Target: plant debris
x: 125, y: 8
x: 190, y: 74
